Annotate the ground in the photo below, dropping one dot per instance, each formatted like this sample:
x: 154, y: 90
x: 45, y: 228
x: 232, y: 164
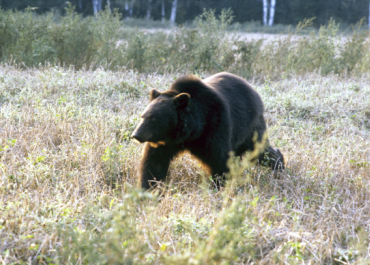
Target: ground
x: 67, y: 176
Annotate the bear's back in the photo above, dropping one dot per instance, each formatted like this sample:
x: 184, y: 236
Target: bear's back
x: 241, y: 98
x: 244, y: 103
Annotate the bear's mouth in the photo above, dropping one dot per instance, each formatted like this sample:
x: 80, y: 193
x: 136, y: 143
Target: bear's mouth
x: 156, y: 144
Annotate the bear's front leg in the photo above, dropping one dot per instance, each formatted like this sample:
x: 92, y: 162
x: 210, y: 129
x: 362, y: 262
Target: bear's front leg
x: 154, y: 164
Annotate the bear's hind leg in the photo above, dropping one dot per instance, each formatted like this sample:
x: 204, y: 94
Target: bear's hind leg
x: 272, y: 157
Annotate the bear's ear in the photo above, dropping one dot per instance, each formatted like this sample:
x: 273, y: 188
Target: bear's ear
x: 181, y: 101
x: 154, y: 93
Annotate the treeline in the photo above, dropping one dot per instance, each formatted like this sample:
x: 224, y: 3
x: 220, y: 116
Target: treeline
x: 287, y: 11
x: 27, y: 40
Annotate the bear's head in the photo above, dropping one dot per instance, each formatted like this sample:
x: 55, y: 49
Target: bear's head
x: 160, y: 117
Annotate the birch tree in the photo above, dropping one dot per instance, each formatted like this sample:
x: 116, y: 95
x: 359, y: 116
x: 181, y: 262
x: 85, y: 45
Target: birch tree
x: 265, y: 11
x: 162, y: 11
x: 173, y: 11
x: 272, y: 12
x: 266, y: 14
x: 149, y: 10
x: 97, y: 5
x: 369, y: 14
x: 109, y: 6
x: 126, y: 9
x: 131, y: 8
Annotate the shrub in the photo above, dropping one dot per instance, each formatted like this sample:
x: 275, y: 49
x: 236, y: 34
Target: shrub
x: 74, y: 40
x: 24, y: 38
x: 32, y: 40
x: 101, y: 41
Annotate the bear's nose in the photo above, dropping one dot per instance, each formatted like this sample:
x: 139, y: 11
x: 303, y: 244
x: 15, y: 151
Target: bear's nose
x: 137, y: 137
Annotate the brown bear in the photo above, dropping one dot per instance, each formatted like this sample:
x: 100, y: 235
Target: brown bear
x: 210, y: 118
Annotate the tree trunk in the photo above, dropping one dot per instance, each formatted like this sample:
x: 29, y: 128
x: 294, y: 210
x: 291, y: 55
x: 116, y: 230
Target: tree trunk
x: 369, y: 14
x: 79, y: 4
x: 149, y: 10
x: 265, y: 11
x: 162, y: 11
x: 100, y: 5
x: 131, y: 8
x: 173, y: 11
x: 126, y: 9
x: 95, y: 6
x: 108, y: 5
x: 272, y: 12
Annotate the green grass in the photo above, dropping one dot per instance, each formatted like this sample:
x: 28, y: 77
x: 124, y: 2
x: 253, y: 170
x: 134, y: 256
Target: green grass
x: 71, y: 93
x: 68, y: 176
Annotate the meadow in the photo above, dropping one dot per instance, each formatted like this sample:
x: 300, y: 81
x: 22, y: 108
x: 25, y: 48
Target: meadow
x: 68, y: 186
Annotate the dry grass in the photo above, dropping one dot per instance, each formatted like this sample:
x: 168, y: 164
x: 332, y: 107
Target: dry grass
x: 67, y: 179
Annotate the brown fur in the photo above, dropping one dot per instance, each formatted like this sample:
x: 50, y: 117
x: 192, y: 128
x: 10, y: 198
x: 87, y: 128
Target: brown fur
x: 209, y: 118
x: 155, y: 145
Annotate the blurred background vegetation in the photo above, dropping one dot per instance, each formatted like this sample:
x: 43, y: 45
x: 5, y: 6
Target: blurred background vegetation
x: 208, y: 44
x: 287, y: 11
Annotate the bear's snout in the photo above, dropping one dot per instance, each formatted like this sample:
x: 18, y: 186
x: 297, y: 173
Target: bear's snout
x: 137, y: 137
x: 142, y: 134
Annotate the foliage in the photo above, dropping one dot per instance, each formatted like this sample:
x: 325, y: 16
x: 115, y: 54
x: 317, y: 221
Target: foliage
x: 110, y: 236
x: 100, y: 41
x: 288, y: 12
x: 24, y: 37
x: 32, y: 40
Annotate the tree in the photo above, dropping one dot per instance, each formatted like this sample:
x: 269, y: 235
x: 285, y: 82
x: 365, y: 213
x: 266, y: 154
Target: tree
x: 272, y: 12
x: 265, y: 4
x: 97, y: 6
x: 132, y: 2
x: 173, y: 11
x: 265, y: 11
x: 128, y: 7
x: 162, y: 11
x: 289, y: 12
x: 149, y: 10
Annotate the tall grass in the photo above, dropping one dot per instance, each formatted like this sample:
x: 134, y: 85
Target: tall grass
x: 103, y: 41
x: 68, y: 167
x: 68, y: 176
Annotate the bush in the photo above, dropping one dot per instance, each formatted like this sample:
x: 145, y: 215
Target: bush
x: 74, y: 40
x: 206, y: 46
x: 32, y: 40
x: 110, y: 237
x: 24, y: 38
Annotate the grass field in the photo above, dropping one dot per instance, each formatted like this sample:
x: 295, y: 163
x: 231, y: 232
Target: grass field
x: 68, y: 187
x: 71, y: 93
